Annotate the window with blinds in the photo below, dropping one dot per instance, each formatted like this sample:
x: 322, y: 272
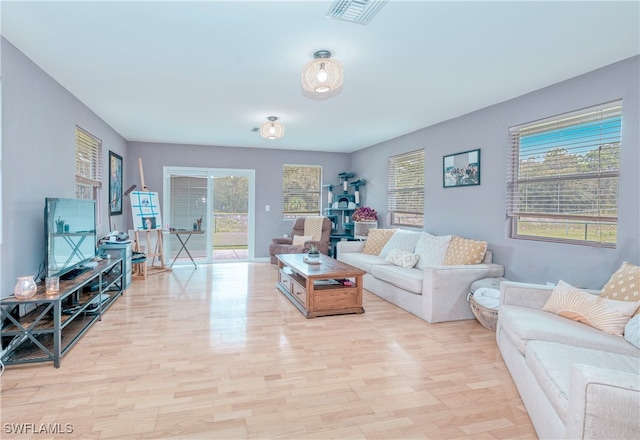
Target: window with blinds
x: 301, y: 190
x: 88, y: 165
x: 405, y: 181
x: 562, y: 180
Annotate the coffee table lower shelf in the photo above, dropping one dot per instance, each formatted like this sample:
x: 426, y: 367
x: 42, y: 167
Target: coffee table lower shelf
x: 320, y: 312
x: 315, y: 291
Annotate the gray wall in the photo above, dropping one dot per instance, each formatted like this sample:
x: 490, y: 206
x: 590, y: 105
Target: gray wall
x: 39, y: 118
x: 479, y: 212
x: 38, y: 137
x: 266, y: 163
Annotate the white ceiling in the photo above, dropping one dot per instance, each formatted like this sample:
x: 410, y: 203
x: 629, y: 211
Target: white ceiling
x: 207, y: 72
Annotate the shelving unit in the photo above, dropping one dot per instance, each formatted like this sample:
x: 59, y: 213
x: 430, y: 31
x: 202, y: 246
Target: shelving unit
x: 120, y: 250
x: 57, y: 322
x: 340, y: 208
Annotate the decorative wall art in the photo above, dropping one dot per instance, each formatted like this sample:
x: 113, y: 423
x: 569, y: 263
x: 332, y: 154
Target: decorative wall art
x: 461, y: 169
x: 115, y: 184
x: 145, y: 210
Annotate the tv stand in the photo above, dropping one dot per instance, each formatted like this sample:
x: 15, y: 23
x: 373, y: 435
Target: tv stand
x: 58, y: 321
x: 73, y: 274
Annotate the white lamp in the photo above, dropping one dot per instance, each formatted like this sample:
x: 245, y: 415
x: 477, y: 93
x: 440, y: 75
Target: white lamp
x: 272, y: 129
x: 322, y: 78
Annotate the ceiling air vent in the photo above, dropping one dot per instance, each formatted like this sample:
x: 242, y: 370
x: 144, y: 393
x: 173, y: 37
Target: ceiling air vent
x: 355, y: 11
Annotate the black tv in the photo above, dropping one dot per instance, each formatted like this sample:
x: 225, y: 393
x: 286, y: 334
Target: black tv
x: 70, y: 234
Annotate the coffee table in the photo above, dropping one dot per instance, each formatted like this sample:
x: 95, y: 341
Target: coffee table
x: 318, y: 289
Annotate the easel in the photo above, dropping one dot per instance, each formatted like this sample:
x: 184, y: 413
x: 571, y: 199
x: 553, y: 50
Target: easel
x: 158, y: 251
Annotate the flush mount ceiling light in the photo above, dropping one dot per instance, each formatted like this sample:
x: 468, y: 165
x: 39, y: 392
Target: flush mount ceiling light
x: 322, y: 77
x: 272, y: 129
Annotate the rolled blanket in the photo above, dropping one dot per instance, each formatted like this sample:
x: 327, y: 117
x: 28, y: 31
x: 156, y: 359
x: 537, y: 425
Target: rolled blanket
x: 313, y: 227
x: 487, y: 292
x: 487, y: 297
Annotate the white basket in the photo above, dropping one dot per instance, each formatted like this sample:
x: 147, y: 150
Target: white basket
x: 361, y: 229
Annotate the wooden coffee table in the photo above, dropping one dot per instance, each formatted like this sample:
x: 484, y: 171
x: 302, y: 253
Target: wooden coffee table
x: 315, y: 289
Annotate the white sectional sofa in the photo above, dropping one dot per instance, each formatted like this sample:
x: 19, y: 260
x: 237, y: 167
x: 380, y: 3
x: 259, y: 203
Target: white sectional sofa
x: 435, y: 293
x: 575, y: 381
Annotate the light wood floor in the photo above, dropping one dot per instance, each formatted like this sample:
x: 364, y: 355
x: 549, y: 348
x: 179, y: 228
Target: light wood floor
x: 218, y: 352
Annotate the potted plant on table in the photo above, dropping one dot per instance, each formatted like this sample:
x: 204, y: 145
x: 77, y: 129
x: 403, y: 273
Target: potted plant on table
x: 313, y: 254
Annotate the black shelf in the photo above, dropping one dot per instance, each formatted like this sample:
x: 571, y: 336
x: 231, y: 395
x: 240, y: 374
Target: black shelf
x: 58, y: 321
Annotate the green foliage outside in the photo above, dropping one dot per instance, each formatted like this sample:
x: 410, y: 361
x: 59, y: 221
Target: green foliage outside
x: 604, y: 233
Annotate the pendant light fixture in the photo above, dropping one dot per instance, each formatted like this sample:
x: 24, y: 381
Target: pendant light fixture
x: 322, y: 77
x: 272, y: 129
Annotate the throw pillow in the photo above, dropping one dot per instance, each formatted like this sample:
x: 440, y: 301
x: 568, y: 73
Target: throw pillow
x: 299, y: 240
x: 376, y: 240
x: 624, y: 284
x: 402, y: 258
x: 432, y: 249
x: 465, y: 251
x: 602, y: 313
x: 632, y: 331
x: 403, y: 240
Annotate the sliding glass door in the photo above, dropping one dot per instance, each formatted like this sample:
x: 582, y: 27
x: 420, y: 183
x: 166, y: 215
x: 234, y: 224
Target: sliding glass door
x: 218, y: 201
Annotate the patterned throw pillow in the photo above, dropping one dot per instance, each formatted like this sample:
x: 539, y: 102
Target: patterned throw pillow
x: 376, y: 240
x: 403, y: 240
x: 402, y: 258
x: 624, y: 284
x: 432, y: 249
x: 465, y: 251
x: 602, y: 313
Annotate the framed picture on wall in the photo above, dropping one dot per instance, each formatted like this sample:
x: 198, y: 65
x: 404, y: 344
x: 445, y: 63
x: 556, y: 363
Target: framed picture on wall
x: 461, y: 169
x: 115, y: 184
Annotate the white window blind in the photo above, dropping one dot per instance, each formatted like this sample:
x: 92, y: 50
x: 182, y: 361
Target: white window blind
x: 405, y: 181
x: 88, y: 165
x: 301, y: 190
x: 562, y: 180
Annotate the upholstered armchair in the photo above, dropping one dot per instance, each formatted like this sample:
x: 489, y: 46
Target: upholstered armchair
x: 299, y: 242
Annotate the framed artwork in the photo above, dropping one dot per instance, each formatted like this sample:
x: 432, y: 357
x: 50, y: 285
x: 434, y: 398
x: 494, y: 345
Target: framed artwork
x: 145, y: 209
x: 115, y: 184
x: 461, y: 169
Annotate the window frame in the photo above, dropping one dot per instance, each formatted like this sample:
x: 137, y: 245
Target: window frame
x: 316, y: 193
x: 401, y: 196
x: 570, y: 137
x: 89, y: 175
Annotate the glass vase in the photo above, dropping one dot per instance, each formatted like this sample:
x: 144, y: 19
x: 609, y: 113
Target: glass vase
x: 25, y: 288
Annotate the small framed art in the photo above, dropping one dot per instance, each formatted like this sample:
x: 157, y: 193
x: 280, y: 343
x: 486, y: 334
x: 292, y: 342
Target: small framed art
x: 115, y: 184
x: 461, y: 169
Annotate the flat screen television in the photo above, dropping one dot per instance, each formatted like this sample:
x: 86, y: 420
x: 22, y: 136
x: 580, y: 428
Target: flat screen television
x: 70, y: 234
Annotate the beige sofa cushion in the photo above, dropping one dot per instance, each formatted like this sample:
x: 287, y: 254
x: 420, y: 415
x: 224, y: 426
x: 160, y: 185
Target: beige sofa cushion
x: 376, y: 240
x: 465, y: 251
x: 523, y: 324
x: 624, y: 284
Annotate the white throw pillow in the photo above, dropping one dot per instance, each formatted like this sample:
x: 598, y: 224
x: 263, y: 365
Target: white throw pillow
x: 402, y: 258
x: 432, y: 249
x: 632, y: 331
x: 602, y: 313
x: 299, y: 240
x: 403, y: 240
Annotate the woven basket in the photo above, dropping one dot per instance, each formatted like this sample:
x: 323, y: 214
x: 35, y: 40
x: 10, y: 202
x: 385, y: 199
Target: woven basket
x: 485, y: 316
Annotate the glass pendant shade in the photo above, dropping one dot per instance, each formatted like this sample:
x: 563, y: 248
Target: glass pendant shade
x: 272, y: 129
x: 322, y: 77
